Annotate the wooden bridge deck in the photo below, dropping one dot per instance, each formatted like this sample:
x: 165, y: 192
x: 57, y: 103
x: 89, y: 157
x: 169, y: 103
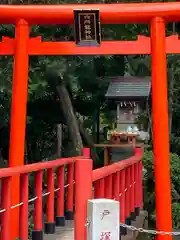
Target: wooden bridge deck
x: 67, y: 232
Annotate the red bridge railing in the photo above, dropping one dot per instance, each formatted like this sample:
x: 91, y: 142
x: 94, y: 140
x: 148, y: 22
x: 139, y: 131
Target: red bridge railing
x: 56, y: 176
x: 121, y: 181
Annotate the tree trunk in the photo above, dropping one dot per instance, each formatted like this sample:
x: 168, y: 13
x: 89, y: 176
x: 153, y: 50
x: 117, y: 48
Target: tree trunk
x: 59, y: 140
x: 85, y: 135
x: 170, y: 122
x: 97, y: 125
x: 70, y: 118
x: 170, y: 95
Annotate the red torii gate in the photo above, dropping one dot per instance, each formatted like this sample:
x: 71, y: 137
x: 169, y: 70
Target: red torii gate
x: 155, y: 14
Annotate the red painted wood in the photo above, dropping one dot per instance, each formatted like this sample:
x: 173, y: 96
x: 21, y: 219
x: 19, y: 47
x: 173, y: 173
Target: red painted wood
x: 8, y: 172
x: 122, y: 196
x: 99, y: 190
x: 116, y: 186
x: 24, y: 210
x: 18, y: 114
x: 6, y: 204
x: 38, y: 211
x: 132, y: 202
x: 127, y: 192
x: 83, y: 192
x: 50, y: 196
x: 116, y: 167
x: 60, y: 192
x: 70, y: 187
x: 86, y: 152
x: 109, y: 13
x: 108, y: 187
x: 136, y: 185
x: 160, y: 129
x: 139, y: 46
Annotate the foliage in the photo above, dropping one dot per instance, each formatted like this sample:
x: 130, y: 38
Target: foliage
x: 43, y: 111
x: 176, y: 214
x: 86, y: 78
x: 149, y: 195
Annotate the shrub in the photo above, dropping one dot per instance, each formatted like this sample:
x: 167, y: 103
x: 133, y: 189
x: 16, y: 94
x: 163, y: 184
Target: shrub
x: 148, y: 180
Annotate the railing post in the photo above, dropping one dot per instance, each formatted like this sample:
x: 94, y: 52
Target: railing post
x: 108, y: 187
x: 6, y: 205
x: 99, y: 188
x: 86, y: 152
x: 122, y: 199
x: 116, y: 186
x: 141, y: 184
x: 127, y: 197
x: 106, y: 156
x: 60, y: 218
x: 37, y: 232
x: 83, y: 192
x: 70, y: 189
x: 133, y: 216
x: 136, y: 193
x: 24, y: 210
x: 49, y: 226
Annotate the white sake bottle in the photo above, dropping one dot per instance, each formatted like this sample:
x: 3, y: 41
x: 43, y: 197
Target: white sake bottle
x: 129, y: 129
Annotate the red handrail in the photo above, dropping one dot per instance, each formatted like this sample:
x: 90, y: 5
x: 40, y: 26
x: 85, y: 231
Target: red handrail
x: 120, y: 181
x: 6, y: 205
x: 9, y: 172
x: 116, y: 167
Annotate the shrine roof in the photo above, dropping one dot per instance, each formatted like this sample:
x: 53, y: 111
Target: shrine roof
x: 129, y: 87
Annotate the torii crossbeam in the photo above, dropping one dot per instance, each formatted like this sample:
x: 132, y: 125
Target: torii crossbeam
x: 155, y: 14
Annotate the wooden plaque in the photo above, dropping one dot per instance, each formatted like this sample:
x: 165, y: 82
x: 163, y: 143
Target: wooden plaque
x: 87, y: 27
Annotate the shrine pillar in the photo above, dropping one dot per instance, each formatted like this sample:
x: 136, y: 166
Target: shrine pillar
x: 160, y: 128
x: 18, y: 115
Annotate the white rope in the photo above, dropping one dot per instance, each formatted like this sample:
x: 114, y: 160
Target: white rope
x: 34, y: 198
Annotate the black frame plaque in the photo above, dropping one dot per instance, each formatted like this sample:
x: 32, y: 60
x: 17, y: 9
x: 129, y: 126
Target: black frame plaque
x: 87, y: 27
